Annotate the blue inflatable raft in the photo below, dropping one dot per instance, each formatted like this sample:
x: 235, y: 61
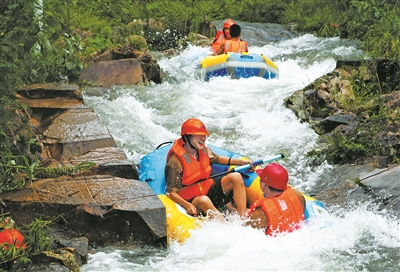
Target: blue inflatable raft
x: 179, y: 223
x: 238, y: 65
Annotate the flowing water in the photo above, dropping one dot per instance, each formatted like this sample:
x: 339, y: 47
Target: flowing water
x: 246, y: 116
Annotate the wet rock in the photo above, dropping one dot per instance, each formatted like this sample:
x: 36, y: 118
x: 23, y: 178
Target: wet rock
x: 104, y: 203
x: 392, y: 102
x: 125, y: 169
x: 109, y: 161
x: 51, y: 95
x: 385, y: 187
x: 113, y: 72
x: 76, y: 131
x: 42, y: 265
x: 79, y: 246
x: 104, y: 209
x: 331, y: 122
x: 67, y: 257
x: 349, y: 185
x: 123, y: 66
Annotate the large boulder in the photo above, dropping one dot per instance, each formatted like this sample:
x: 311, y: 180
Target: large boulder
x: 123, y: 66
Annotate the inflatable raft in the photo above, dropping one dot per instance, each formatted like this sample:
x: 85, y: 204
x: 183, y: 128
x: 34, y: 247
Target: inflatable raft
x: 179, y: 223
x: 238, y: 65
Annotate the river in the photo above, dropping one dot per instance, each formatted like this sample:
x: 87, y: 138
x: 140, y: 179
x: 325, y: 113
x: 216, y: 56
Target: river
x: 246, y: 116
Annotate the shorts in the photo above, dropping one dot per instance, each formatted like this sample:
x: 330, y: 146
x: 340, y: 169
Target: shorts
x: 217, y: 196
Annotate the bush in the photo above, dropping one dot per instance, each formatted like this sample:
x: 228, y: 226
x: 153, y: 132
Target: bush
x: 377, y: 24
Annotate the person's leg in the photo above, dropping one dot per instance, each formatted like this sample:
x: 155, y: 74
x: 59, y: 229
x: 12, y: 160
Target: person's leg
x: 217, y: 196
x: 204, y: 203
x: 234, y: 181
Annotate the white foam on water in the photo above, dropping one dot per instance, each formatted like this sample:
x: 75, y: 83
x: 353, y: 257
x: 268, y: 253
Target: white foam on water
x: 344, y: 241
x: 247, y: 116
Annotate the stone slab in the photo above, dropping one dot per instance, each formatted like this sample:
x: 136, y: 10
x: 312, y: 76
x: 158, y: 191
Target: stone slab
x: 106, y: 208
x: 55, y: 103
x: 113, y: 73
x: 76, y: 132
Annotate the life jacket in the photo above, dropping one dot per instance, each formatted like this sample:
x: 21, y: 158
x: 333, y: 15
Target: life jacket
x: 235, y: 46
x: 284, y: 212
x: 193, y: 171
x: 218, y: 41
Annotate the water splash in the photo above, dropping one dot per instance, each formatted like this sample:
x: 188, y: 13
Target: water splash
x: 246, y: 116
x: 343, y: 241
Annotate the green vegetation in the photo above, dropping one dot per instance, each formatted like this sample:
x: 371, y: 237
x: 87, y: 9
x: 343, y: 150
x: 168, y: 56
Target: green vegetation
x: 46, y: 43
x: 51, y: 42
x: 364, y: 141
x: 35, y: 241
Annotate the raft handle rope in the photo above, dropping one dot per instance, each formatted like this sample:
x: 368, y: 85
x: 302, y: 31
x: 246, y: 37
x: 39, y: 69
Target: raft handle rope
x: 160, y: 145
x: 229, y: 161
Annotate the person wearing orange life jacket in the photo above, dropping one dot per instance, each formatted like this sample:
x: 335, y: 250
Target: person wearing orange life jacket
x: 222, y: 35
x: 282, y: 210
x: 235, y: 44
x: 188, y: 170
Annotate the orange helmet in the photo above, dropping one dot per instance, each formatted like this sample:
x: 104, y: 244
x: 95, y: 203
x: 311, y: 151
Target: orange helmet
x: 274, y: 175
x: 194, y: 126
x: 228, y: 23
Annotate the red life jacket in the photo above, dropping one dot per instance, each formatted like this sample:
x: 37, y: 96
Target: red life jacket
x: 218, y: 41
x: 193, y: 171
x: 284, y: 212
x: 235, y: 46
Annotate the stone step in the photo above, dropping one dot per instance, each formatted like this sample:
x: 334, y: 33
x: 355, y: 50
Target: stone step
x: 105, y: 209
x: 54, y: 103
x: 76, y: 132
x: 51, y: 90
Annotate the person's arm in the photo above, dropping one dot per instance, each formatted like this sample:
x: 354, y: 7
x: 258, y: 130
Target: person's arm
x: 258, y: 220
x: 233, y: 161
x: 214, y: 158
x: 220, y: 51
x: 173, y: 176
x: 246, y: 47
x: 189, y: 207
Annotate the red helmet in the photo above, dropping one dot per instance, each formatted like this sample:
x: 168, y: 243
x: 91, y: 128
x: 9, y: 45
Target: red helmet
x: 228, y: 23
x: 274, y: 175
x: 194, y: 126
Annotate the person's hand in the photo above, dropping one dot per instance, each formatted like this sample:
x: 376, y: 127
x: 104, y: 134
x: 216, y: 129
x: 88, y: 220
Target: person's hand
x: 246, y: 161
x: 191, y: 209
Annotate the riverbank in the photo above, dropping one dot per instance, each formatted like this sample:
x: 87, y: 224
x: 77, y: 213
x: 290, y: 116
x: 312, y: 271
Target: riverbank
x: 360, y: 136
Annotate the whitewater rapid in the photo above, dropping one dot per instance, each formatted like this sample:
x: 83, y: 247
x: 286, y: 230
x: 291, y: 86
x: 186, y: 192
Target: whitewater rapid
x: 247, y: 116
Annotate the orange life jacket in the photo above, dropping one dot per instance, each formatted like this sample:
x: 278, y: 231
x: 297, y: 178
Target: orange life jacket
x: 284, y: 212
x: 235, y: 46
x: 193, y: 171
x: 12, y: 236
x: 218, y: 41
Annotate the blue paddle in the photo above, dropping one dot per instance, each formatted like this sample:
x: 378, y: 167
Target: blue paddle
x: 247, y: 166
x: 257, y: 163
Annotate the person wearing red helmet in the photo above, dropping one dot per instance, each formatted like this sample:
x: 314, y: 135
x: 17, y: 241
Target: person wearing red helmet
x: 188, y: 171
x: 222, y: 36
x: 282, y: 209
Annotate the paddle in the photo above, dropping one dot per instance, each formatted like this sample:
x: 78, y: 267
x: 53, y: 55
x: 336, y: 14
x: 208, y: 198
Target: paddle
x: 247, y: 166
